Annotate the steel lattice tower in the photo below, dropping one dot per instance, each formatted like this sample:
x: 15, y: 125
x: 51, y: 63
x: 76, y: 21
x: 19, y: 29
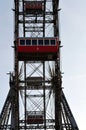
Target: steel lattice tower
x: 35, y: 99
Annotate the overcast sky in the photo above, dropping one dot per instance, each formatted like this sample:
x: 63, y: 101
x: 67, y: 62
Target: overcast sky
x: 73, y: 53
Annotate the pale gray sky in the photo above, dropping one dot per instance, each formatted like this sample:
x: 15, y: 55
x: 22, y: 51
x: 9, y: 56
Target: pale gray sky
x: 73, y: 53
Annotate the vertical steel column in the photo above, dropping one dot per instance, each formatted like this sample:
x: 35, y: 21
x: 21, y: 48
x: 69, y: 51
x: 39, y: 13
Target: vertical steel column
x: 15, y: 101
x: 44, y: 18
x: 23, y: 18
x: 44, y: 96
x: 44, y: 67
x: 58, y: 120
x: 55, y: 18
x: 24, y: 61
x: 25, y: 91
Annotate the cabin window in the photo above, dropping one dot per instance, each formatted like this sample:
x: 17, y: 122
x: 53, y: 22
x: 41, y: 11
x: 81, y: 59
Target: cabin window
x: 40, y: 42
x: 52, y: 42
x: 46, y: 42
x: 28, y: 42
x: 22, y: 42
x: 34, y: 42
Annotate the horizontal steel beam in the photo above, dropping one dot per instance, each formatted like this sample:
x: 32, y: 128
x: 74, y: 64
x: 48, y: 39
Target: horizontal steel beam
x: 35, y: 21
x: 34, y: 87
x: 33, y: 30
x: 38, y: 15
x: 38, y: 127
x: 47, y: 121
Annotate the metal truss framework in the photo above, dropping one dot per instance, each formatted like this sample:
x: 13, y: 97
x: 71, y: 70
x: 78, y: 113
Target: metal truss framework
x: 35, y: 86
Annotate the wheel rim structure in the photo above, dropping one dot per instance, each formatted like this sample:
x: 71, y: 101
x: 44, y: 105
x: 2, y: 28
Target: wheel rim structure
x: 35, y: 99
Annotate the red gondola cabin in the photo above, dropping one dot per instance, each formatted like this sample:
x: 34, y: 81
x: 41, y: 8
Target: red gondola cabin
x: 37, y: 48
x: 35, y: 117
x: 32, y: 7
